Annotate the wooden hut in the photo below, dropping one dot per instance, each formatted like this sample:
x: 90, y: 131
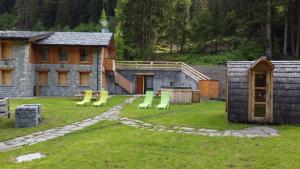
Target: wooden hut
x: 263, y: 91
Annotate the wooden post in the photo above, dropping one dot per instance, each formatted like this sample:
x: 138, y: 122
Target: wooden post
x: 8, y: 107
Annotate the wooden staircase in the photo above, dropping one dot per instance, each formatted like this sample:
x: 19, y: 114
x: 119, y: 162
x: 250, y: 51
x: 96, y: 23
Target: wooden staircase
x: 109, y: 65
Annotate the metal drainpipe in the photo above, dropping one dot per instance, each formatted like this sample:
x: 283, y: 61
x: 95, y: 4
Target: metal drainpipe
x: 98, y: 55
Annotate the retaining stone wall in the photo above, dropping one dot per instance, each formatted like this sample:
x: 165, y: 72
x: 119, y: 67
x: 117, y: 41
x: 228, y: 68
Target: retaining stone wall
x: 161, y: 78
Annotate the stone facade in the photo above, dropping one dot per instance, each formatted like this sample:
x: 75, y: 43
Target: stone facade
x: 160, y: 78
x: 24, y: 75
x: 53, y: 89
x: 23, y: 72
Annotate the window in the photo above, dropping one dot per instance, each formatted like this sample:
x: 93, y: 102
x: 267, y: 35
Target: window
x: 43, y: 78
x: 84, y: 78
x: 64, y: 55
x: 84, y: 55
x: 43, y: 54
x: 6, y: 77
x: 62, y: 78
x: 6, y: 51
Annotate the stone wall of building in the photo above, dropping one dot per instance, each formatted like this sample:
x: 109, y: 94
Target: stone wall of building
x: 23, y: 72
x: 24, y: 75
x: 160, y: 78
x: 53, y: 89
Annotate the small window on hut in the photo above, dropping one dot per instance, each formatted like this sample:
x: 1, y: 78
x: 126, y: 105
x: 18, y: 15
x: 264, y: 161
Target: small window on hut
x: 84, y: 55
x: 44, y: 54
x: 43, y: 78
x: 6, y: 77
x: 62, y: 78
x: 84, y: 78
x: 6, y: 51
x: 63, y: 55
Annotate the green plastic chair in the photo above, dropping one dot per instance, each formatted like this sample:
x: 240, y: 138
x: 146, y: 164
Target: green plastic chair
x: 147, y: 101
x: 165, y: 101
x: 102, y: 100
x: 87, y: 98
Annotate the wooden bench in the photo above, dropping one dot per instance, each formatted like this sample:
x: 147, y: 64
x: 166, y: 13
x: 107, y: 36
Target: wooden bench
x: 5, y: 107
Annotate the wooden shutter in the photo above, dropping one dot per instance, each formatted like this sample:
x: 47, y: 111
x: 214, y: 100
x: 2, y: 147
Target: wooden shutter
x: 6, y: 50
x: 84, y: 78
x: 43, y: 78
x: 63, y: 78
x: 6, y: 77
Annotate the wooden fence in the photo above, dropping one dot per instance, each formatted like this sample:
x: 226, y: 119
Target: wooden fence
x: 5, y: 107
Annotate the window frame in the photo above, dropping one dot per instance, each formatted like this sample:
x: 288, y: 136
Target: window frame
x: 80, y: 78
x: 58, y: 78
x: 2, y: 80
x: 39, y: 78
x: 7, y: 46
x: 87, y: 55
x: 40, y: 51
x: 67, y: 55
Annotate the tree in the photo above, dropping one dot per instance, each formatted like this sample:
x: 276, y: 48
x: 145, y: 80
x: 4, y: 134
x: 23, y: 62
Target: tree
x: 139, y: 25
x: 48, y: 13
x: 8, y: 21
x: 269, y: 29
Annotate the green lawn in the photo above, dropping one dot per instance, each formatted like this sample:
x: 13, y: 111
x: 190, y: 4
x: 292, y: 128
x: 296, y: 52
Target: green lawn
x: 203, y: 115
x: 55, y: 112
x: 112, y: 145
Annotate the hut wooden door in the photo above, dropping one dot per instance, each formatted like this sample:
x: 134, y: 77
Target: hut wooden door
x: 140, y: 80
x: 261, y: 100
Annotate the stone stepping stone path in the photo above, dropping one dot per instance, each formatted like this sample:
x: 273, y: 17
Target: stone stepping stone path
x: 29, y: 157
x: 50, y: 134
x: 112, y: 115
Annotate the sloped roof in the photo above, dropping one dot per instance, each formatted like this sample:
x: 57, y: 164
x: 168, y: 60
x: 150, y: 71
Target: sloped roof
x: 77, y: 38
x: 60, y: 38
x: 22, y: 35
x: 284, y: 71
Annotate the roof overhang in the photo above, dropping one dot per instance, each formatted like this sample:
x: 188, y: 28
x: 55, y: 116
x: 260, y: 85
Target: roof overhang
x: 263, y: 62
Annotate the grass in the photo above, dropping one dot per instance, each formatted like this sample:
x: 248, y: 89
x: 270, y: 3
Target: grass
x: 55, y: 112
x: 204, y: 115
x: 112, y: 145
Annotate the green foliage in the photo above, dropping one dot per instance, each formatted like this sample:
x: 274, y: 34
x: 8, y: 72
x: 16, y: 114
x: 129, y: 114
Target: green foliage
x: 8, y: 21
x: 220, y: 58
x: 38, y: 26
x: 89, y: 27
x: 251, y: 50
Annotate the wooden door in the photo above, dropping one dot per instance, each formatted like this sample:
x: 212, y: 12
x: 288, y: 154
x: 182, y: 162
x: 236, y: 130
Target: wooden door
x: 261, y: 97
x: 139, y: 86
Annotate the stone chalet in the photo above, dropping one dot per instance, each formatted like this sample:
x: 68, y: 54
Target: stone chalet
x: 66, y: 63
